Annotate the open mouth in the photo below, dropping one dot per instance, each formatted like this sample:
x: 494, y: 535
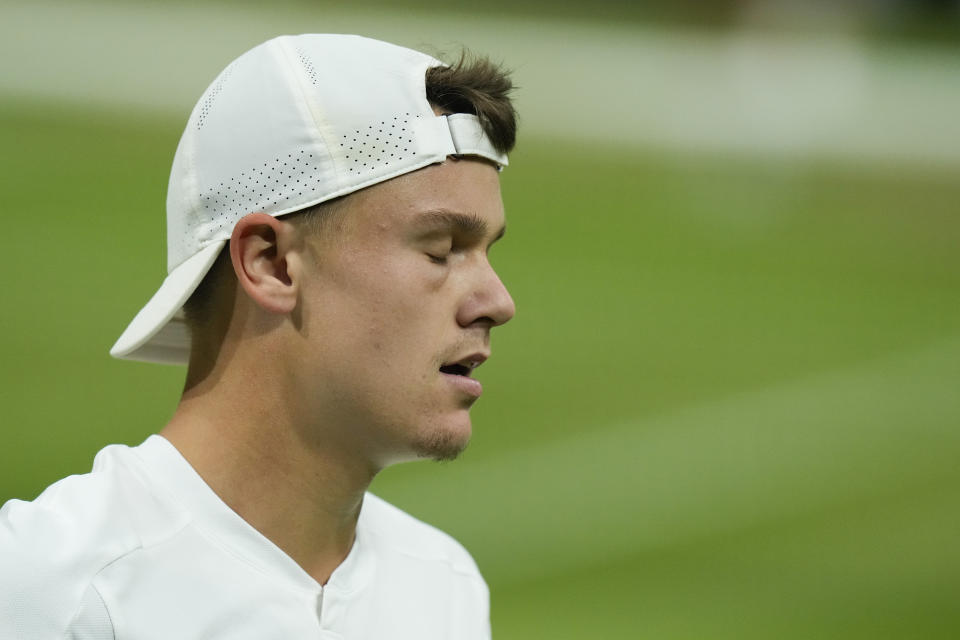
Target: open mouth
x: 456, y: 369
x: 464, y: 367
x: 458, y: 374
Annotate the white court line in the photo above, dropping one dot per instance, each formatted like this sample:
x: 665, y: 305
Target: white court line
x: 745, y: 460
x: 624, y: 85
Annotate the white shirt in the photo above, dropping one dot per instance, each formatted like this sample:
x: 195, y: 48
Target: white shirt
x: 141, y: 548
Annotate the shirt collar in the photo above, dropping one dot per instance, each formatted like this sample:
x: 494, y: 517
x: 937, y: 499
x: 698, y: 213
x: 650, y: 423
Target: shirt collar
x: 208, y: 512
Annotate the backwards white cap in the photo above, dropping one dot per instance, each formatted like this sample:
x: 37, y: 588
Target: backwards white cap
x: 295, y: 121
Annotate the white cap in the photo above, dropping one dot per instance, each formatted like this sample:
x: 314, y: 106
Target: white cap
x: 296, y: 121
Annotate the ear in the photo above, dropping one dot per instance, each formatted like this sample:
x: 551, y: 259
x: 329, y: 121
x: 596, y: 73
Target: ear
x: 260, y: 248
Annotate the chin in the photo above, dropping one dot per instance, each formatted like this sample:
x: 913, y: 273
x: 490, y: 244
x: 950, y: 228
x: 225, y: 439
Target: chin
x: 442, y: 447
x: 443, y: 442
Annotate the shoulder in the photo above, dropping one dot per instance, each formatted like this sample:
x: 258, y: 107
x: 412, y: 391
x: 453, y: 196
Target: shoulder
x: 425, y: 572
x: 52, y: 548
x: 396, y: 531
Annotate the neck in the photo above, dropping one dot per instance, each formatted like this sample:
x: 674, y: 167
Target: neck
x: 273, y: 471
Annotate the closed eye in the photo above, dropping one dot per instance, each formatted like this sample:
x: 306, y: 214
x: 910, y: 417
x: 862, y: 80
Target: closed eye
x: 438, y: 247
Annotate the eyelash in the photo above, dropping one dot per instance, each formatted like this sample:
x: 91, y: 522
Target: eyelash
x: 443, y: 259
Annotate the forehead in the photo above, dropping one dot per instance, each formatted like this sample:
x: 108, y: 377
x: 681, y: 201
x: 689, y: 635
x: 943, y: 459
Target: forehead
x: 466, y: 186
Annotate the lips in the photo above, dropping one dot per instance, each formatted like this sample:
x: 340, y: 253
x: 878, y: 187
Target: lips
x: 458, y: 372
x: 465, y: 365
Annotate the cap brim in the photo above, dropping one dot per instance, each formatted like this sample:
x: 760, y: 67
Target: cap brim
x: 159, y: 332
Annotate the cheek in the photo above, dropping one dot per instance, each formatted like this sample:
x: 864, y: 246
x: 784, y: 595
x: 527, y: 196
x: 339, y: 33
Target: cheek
x: 388, y: 309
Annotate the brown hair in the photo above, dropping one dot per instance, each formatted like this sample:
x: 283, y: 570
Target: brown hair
x: 478, y: 86
x: 472, y: 84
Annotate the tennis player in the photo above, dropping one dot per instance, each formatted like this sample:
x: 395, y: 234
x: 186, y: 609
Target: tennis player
x: 331, y: 207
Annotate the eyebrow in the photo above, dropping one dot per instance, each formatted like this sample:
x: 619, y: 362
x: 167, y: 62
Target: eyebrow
x: 466, y: 223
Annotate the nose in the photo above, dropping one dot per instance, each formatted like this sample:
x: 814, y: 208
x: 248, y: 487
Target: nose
x: 489, y: 301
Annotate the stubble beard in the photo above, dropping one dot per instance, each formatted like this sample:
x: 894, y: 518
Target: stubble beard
x: 441, y: 445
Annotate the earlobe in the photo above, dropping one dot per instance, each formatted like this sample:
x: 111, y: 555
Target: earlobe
x: 260, y: 248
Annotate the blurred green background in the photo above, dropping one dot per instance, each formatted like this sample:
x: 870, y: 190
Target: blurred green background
x: 728, y: 406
